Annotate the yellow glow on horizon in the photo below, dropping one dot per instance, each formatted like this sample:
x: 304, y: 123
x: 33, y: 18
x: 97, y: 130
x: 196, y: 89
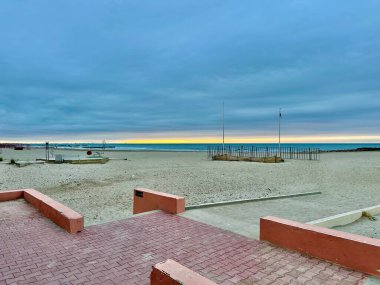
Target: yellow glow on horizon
x: 166, y: 139
x: 294, y: 139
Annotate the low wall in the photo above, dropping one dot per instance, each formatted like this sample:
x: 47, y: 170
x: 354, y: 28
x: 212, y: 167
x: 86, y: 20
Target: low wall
x: 145, y: 200
x: 354, y: 251
x: 173, y: 273
x: 345, y: 218
x: 223, y: 203
x: 61, y: 215
x: 11, y: 195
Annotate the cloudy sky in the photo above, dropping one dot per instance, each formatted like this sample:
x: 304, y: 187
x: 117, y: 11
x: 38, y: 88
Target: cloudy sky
x: 152, y: 70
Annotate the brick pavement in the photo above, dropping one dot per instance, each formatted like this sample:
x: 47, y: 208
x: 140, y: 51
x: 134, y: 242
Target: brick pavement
x: 33, y: 250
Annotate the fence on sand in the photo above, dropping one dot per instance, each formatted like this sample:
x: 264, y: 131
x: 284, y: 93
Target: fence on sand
x: 263, y: 152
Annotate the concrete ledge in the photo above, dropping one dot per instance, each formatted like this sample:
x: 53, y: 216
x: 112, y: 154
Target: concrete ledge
x: 61, y: 215
x: 26, y: 163
x: 173, y: 273
x: 11, y: 195
x: 145, y: 200
x: 345, y: 218
x: 354, y: 251
x: 223, y: 203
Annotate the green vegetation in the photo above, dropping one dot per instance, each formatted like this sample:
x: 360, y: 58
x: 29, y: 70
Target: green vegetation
x: 13, y: 161
x: 1, y: 159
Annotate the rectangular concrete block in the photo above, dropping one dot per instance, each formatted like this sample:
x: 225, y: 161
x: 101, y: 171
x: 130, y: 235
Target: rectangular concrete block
x: 145, y: 200
x: 354, y: 251
x: 173, y: 273
x: 11, y: 195
x: 61, y: 215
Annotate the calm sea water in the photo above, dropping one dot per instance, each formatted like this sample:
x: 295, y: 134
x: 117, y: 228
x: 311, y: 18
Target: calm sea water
x: 203, y: 147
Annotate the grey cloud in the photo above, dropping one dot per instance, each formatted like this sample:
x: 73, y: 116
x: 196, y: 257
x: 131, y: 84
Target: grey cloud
x: 124, y: 66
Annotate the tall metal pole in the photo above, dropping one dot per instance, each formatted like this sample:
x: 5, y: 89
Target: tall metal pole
x: 223, y: 125
x: 279, y: 132
x: 47, y: 154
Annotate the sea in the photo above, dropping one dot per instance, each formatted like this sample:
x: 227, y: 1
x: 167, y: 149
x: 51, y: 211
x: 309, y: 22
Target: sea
x: 204, y: 147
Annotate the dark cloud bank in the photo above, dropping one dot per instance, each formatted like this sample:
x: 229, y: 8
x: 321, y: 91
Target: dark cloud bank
x: 85, y: 67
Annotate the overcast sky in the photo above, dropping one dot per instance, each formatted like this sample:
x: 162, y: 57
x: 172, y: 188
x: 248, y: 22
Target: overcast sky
x: 119, y: 70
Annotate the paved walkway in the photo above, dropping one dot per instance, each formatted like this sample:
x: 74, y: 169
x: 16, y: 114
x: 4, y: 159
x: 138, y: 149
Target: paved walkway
x: 244, y: 218
x: 33, y: 250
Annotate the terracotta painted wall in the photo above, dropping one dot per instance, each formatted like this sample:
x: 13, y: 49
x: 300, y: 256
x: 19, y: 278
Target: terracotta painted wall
x: 173, y: 273
x: 61, y: 215
x: 145, y: 200
x: 354, y: 251
x: 11, y: 195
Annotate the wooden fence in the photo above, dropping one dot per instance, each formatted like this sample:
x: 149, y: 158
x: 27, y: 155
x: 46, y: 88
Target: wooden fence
x: 265, y: 151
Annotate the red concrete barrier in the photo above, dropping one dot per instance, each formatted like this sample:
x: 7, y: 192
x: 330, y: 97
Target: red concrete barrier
x: 61, y: 215
x: 173, y: 273
x: 145, y: 200
x: 354, y: 251
x: 11, y: 195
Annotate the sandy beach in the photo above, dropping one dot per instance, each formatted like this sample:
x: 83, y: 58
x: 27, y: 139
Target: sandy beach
x: 103, y: 192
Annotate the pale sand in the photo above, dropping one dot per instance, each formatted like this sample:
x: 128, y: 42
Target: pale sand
x: 103, y: 193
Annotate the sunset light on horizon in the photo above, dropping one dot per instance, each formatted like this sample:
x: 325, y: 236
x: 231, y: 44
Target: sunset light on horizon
x: 212, y: 140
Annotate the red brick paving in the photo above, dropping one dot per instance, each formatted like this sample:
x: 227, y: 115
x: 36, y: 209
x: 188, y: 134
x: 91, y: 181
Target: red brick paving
x: 33, y: 250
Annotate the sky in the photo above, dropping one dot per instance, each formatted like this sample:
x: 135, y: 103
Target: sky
x: 159, y: 71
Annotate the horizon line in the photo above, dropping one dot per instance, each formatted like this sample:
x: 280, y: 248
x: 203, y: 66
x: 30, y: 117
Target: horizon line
x: 210, y: 140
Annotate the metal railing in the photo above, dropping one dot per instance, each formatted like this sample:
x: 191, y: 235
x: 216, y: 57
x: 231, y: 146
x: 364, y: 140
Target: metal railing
x: 264, y: 151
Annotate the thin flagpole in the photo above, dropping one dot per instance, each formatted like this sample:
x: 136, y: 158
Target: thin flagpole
x: 279, y: 132
x: 223, y: 125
